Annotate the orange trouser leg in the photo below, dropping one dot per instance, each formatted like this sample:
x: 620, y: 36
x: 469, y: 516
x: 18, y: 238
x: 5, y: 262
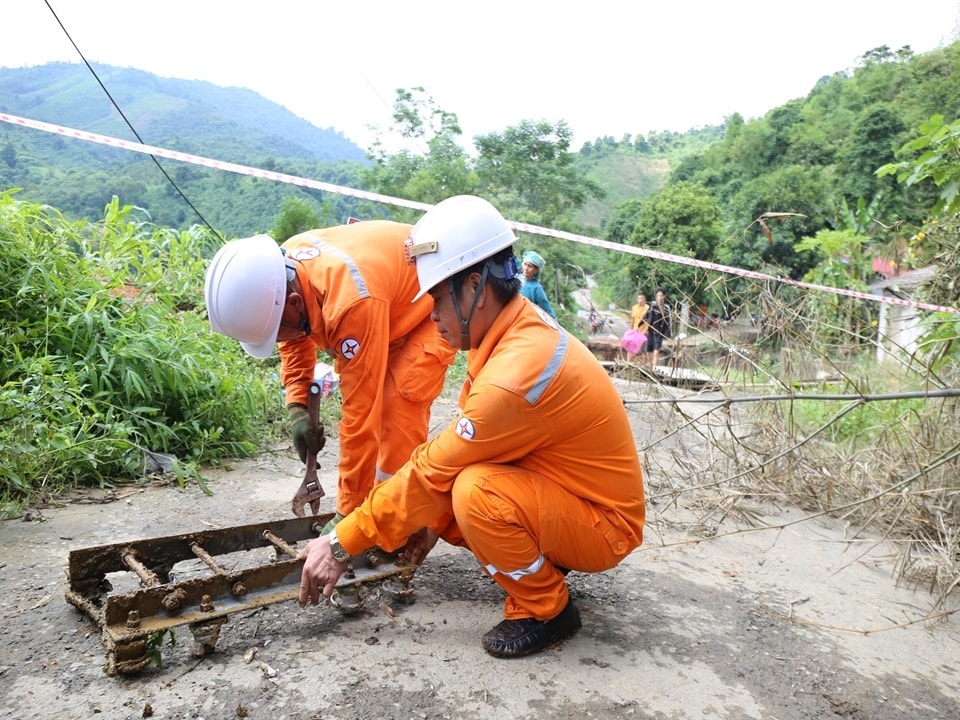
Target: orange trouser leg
x: 416, y: 370
x: 522, y: 526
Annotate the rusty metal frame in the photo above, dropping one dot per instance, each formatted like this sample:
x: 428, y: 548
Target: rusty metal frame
x: 128, y: 620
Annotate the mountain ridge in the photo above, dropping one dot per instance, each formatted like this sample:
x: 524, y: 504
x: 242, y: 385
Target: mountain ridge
x: 234, y: 125
x: 159, y: 108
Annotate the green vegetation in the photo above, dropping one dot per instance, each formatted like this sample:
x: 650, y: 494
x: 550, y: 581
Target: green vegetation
x: 154, y: 645
x: 226, y: 124
x: 858, y: 426
x: 107, y: 357
x: 635, y: 168
x: 528, y: 172
x: 805, y: 167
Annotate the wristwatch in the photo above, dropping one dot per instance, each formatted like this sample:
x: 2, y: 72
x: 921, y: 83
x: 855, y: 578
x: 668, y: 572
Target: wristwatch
x: 336, y: 549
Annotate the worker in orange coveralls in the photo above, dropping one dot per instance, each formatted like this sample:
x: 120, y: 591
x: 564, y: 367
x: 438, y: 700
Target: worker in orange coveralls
x: 539, y: 474
x: 348, y: 291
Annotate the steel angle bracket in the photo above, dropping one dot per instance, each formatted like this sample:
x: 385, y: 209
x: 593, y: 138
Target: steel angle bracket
x: 129, y: 621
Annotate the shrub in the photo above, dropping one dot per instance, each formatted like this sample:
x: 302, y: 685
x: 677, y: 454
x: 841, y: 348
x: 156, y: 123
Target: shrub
x: 107, y: 355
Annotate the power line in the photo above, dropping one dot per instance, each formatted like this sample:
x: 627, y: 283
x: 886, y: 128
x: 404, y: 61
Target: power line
x: 128, y: 123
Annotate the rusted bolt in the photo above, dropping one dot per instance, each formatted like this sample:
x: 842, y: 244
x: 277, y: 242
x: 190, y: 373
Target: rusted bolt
x: 206, y: 634
x: 133, y: 620
x: 174, y: 600
x: 279, y: 543
x: 206, y: 604
x: 349, y: 572
x: 348, y: 599
x: 372, y: 558
x: 238, y: 589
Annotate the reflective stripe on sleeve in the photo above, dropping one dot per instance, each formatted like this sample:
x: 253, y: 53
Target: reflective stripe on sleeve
x: 348, y: 261
x: 550, y: 371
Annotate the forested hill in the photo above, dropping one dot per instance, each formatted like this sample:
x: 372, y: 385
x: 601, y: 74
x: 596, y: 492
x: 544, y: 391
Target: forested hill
x: 232, y: 120
x: 815, y: 157
x: 234, y: 125
x: 635, y: 166
x: 800, y: 190
x: 230, y: 124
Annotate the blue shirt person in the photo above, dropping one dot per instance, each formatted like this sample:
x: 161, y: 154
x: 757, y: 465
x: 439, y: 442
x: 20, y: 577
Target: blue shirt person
x: 531, y: 289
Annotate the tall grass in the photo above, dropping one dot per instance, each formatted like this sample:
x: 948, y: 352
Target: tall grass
x: 816, y: 422
x: 107, y: 356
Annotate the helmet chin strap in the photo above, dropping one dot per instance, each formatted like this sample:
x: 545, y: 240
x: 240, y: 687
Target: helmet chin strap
x: 465, y: 322
x: 293, y: 283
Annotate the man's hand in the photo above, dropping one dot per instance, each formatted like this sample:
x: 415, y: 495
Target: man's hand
x: 320, y: 571
x: 419, y: 545
x: 304, y: 439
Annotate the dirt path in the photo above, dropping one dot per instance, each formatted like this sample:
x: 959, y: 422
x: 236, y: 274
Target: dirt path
x: 776, y: 625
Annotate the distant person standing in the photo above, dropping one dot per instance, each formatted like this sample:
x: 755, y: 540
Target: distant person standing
x: 638, y: 322
x: 531, y: 289
x: 660, y: 325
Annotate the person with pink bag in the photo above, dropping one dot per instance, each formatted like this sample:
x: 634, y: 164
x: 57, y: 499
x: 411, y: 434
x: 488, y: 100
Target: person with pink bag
x: 635, y: 338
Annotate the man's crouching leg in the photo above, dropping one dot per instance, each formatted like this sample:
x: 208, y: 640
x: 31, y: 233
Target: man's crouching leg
x: 526, y: 636
x: 498, y: 509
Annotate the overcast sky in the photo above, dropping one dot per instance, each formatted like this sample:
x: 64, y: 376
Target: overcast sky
x: 607, y: 67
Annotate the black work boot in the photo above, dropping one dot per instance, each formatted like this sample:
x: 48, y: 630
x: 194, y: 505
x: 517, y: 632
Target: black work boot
x: 516, y: 638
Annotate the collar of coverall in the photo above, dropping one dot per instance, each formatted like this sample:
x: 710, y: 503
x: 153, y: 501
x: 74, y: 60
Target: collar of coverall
x: 507, y: 318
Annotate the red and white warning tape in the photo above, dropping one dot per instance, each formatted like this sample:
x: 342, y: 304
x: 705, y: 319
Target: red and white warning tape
x: 388, y: 200
x: 730, y: 270
x: 206, y: 162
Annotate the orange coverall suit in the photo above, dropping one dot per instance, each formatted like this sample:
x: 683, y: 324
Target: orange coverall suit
x: 539, y: 471
x: 357, y: 287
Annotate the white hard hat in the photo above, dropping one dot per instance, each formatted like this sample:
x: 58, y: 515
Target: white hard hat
x: 246, y: 290
x: 455, y: 234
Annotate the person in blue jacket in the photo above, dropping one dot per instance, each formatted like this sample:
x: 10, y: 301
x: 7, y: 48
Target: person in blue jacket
x: 531, y: 289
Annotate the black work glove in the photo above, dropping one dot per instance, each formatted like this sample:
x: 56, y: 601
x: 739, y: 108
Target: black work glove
x: 303, y: 439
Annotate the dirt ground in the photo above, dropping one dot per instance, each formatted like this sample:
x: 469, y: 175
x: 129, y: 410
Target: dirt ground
x: 780, y: 625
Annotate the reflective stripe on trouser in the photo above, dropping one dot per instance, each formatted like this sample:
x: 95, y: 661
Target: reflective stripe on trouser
x: 522, y: 526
